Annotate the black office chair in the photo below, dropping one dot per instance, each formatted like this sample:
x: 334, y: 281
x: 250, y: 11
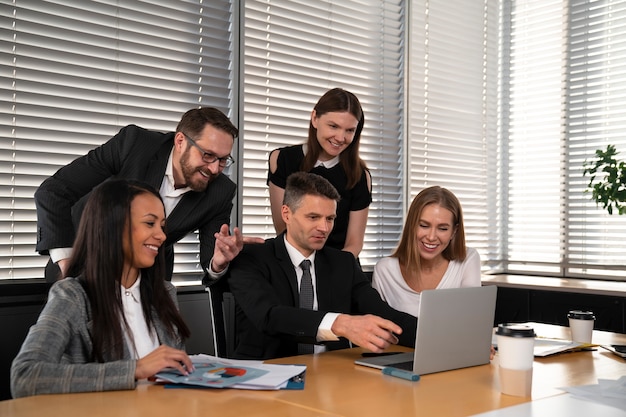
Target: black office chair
x: 222, y: 304
x: 228, y: 309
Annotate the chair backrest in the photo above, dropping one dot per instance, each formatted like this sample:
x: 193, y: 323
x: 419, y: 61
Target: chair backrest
x: 228, y: 308
x: 222, y: 305
x: 215, y: 293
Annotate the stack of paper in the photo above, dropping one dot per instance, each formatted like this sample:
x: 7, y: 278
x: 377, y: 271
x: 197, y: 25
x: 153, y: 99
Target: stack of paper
x: 566, y: 405
x: 546, y: 347
x: 214, y: 372
x: 606, y: 391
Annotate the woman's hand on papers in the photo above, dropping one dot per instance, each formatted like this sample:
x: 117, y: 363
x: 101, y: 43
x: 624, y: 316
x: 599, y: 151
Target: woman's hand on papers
x: 161, y: 358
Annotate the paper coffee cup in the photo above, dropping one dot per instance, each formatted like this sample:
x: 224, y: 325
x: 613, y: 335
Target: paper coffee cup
x: 516, y: 343
x: 581, y: 325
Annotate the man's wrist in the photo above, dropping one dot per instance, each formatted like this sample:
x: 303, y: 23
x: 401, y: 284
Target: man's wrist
x: 324, y: 331
x: 58, y: 254
x: 214, y: 274
x: 217, y: 269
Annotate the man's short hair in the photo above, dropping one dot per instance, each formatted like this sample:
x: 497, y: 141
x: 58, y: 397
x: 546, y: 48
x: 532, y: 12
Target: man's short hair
x: 301, y: 183
x: 195, y: 120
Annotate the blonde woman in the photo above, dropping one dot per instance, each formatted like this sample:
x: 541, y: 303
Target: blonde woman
x: 431, y: 254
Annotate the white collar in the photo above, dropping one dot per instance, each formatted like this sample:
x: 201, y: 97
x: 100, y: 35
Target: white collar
x: 133, y: 291
x: 295, y: 255
x: 327, y: 164
x: 172, y: 191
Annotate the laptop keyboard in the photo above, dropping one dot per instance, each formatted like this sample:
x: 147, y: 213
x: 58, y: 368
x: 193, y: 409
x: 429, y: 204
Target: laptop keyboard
x: 407, y: 366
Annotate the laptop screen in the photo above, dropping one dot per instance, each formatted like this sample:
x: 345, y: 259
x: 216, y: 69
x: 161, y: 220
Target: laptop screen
x: 454, y: 331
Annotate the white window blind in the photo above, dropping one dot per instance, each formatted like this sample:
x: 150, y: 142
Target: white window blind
x: 503, y: 116
x: 596, y: 117
x: 295, y: 51
x: 533, y: 136
x: 564, y: 97
x: 452, y: 117
x: 73, y: 72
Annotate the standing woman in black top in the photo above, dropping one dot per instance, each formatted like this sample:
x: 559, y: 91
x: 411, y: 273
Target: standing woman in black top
x: 332, y: 151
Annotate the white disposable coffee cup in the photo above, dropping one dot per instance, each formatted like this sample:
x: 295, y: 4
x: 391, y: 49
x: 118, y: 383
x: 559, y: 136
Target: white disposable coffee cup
x: 581, y: 325
x: 515, y: 355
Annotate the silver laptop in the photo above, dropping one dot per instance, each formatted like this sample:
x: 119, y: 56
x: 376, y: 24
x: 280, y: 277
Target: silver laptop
x: 454, y: 331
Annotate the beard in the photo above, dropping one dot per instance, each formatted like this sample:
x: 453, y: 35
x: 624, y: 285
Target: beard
x: 191, y: 174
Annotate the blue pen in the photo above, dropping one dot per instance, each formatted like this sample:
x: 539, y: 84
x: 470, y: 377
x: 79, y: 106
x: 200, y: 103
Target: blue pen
x: 400, y: 373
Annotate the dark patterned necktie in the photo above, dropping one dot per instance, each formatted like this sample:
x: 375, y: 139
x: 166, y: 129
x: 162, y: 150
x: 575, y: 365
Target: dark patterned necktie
x: 306, y: 298
x: 306, y: 286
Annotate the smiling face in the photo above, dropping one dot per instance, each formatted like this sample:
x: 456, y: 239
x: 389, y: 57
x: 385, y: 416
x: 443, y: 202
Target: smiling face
x: 434, y: 232
x: 309, y: 225
x: 335, y: 132
x: 141, y: 245
x: 189, y: 168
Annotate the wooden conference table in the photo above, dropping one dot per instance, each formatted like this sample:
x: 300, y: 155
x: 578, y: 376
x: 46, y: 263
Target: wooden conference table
x: 336, y: 387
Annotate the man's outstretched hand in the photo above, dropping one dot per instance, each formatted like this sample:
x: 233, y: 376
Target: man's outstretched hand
x: 228, y: 246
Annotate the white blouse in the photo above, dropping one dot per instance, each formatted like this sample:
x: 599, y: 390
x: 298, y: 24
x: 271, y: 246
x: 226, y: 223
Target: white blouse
x: 145, y: 341
x: 388, y: 281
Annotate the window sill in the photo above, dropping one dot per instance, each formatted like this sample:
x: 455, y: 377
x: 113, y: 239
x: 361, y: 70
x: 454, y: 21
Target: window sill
x: 574, y: 285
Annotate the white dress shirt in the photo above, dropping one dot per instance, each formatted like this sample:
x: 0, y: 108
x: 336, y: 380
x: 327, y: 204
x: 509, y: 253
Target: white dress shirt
x: 324, y: 332
x: 169, y: 193
x: 145, y: 340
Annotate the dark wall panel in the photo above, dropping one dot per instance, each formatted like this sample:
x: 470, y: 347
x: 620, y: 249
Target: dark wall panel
x: 512, y: 305
x: 552, y: 307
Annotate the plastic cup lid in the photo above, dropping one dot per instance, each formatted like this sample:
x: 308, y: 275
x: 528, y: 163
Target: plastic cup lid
x: 515, y: 330
x: 581, y: 315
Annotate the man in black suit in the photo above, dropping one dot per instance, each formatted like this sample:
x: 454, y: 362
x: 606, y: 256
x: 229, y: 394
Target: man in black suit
x: 266, y: 283
x: 186, y: 166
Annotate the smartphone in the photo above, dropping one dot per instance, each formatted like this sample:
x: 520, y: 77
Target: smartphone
x: 619, y: 350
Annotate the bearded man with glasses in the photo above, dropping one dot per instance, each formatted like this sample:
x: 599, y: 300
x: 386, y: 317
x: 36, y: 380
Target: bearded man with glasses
x: 186, y: 166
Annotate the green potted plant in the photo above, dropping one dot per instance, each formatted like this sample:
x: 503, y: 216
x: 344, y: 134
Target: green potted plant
x: 607, y: 180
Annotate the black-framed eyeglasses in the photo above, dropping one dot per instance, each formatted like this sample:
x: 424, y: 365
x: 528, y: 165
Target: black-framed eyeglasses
x: 209, y: 157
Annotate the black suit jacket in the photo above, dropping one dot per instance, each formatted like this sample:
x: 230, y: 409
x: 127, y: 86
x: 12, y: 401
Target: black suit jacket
x: 139, y: 154
x: 269, y: 322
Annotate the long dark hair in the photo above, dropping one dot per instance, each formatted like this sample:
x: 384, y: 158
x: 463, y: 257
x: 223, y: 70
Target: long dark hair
x: 338, y: 100
x: 98, y: 261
